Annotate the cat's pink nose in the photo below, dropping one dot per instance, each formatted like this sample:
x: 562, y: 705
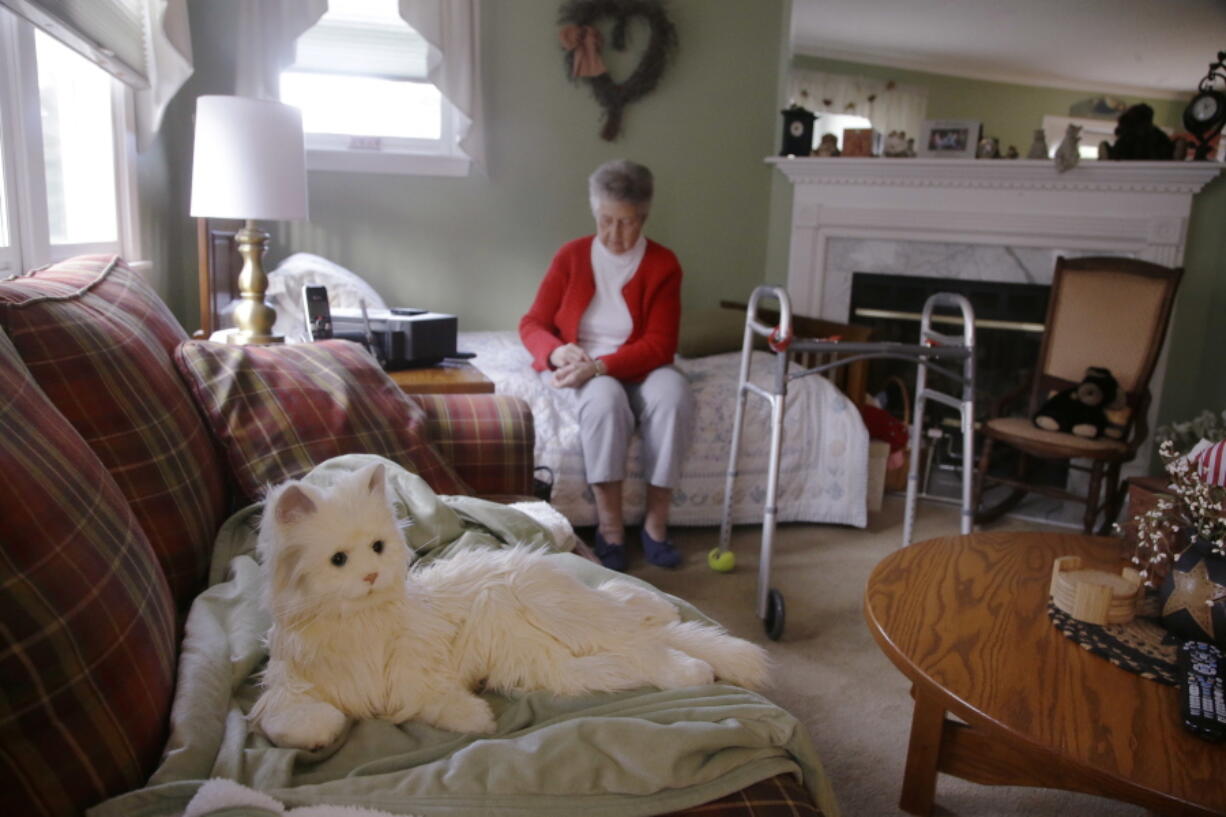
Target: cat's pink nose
x: 369, y: 578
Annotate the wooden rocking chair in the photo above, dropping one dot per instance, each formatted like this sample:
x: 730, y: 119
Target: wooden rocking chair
x: 1110, y: 312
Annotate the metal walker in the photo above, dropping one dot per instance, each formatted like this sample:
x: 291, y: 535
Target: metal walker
x: 932, y: 346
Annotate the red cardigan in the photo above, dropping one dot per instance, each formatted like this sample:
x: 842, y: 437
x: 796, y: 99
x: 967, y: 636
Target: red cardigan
x: 653, y: 295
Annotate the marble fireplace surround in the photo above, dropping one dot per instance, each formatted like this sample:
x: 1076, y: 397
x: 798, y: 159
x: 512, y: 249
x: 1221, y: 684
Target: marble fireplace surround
x: 983, y: 219
x: 1002, y: 220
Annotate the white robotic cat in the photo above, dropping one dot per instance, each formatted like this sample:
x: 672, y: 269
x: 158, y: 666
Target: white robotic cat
x: 356, y: 634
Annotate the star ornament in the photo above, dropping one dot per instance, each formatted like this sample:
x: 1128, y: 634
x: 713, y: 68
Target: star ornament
x: 1194, y: 592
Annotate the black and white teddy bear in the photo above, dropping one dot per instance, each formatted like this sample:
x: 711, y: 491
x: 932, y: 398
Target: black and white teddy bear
x: 1082, y: 409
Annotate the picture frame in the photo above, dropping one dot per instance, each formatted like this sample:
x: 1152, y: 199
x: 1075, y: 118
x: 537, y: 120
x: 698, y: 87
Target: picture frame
x: 948, y: 138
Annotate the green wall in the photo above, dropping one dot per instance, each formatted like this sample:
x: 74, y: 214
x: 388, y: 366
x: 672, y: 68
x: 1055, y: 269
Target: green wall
x: 478, y: 246
x: 1197, y: 374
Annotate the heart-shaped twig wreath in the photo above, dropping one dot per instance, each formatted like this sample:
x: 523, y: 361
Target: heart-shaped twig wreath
x: 580, y: 37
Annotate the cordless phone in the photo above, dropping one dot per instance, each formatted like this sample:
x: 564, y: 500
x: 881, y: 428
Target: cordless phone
x: 318, y: 314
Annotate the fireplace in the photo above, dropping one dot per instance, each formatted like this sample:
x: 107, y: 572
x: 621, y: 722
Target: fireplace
x: 1008, y: 326
x: 977, y: 220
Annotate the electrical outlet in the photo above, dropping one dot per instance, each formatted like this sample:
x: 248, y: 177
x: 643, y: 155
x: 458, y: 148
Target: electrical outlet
x: 365, y: 143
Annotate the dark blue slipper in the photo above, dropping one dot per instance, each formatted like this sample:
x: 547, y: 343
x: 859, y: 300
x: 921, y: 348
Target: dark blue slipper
x: 611, y: 556
x: 661, y: 554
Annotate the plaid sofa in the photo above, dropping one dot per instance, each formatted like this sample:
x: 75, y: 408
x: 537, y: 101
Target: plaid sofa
x: 111, y: 491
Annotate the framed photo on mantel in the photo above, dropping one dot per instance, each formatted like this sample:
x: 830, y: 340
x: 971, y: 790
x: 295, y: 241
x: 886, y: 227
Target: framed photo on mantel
x: 949, y: 139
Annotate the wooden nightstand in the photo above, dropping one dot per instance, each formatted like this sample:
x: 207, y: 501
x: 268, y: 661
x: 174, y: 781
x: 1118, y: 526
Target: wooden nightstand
x: 450, y: 377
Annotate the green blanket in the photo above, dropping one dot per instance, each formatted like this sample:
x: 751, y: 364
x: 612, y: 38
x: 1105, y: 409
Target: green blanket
x: 620, y: 755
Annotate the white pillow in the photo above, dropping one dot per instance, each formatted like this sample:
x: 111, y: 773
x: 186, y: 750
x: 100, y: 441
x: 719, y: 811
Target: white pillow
x: 346, y: 290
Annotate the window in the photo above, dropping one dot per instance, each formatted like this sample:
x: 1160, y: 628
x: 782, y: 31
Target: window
x: 65, y: 184
x: 359, y: 77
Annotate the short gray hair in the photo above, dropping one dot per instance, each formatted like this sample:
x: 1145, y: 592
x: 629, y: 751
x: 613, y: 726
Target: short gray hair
x: 622, y: 180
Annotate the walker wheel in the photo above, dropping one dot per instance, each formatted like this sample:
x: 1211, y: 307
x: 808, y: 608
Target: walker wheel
x: 721, y: 561
x: 775, y: 615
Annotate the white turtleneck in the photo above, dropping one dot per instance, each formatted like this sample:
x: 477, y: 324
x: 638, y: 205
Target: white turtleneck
x: 606, y: 324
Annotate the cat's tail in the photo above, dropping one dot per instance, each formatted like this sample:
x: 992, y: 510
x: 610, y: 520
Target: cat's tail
x: 734, y: 660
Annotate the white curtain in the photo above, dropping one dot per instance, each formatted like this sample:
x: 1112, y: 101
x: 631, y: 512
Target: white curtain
x: 168, y: 59
x: 452, y: 27
x: 146, y: 44
x: 888, y: 105
x: 266, y: 32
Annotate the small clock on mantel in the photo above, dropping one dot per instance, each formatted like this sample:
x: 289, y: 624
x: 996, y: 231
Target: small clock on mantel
x: 1206, y: 113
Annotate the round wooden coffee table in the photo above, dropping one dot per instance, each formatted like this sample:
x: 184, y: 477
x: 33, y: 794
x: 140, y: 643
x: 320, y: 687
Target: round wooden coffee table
x: 965, y: 618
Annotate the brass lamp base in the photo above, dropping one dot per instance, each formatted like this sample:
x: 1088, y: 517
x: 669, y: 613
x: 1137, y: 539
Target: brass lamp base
x: 252, y: 317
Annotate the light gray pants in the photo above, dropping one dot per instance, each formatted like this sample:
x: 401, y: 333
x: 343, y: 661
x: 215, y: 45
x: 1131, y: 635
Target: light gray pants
x: 663, y: 407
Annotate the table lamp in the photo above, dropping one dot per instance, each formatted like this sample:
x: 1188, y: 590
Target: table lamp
x: 249, y: 163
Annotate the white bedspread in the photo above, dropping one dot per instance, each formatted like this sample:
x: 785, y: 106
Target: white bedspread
x: 823, y: 472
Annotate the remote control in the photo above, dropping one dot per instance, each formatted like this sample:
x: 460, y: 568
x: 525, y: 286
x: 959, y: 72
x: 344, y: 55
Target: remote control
x: 1202, y: 692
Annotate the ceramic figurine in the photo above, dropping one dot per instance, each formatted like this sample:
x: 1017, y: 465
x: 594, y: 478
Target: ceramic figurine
x: 910, y: 147
x: 1180, y: 150
x: 1104, y: 150
x: 989, y: 148
x: 829, y: 145
x: 1038, y: 148
x: 1067, y: 155
x: 1011, y: 153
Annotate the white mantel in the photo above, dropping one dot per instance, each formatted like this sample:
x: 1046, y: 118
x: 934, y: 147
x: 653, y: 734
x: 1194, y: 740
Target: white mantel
x: 1138, y: 209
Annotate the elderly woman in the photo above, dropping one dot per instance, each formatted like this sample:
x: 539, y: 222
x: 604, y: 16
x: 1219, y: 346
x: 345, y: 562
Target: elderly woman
x: 604, y: 323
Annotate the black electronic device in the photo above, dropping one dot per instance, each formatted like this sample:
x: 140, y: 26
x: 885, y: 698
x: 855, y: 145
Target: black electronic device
x: 402, y: 341
x: 318, y: 314
x: 1202, y: 698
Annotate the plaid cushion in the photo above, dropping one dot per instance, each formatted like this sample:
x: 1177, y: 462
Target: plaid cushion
x: 488, y: 439
x: 98, y: 341
x: 281, y: 410
x: 778, y: 796
x: 87, y: 627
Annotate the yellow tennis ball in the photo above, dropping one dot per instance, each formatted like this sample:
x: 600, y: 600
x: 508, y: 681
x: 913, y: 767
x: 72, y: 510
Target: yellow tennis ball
x: 721, y: 561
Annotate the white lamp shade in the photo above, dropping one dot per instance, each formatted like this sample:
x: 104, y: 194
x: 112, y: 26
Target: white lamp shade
x: 249, y: 160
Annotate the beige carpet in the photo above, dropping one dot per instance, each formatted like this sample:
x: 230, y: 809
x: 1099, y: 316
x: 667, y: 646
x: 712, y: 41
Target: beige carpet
x: 830, y: 673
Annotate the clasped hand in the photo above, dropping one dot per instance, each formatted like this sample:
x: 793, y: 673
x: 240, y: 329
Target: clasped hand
x: 573, y: 366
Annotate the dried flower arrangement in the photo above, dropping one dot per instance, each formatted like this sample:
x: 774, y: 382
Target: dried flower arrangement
x: 1196, y: 510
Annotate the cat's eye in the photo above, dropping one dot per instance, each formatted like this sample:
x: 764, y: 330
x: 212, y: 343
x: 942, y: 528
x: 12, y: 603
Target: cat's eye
x: 339, y: 558
x: 377, y: 546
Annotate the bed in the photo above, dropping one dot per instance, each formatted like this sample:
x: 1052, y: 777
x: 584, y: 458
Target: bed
x: 823, y: 473
x: 824, y: 469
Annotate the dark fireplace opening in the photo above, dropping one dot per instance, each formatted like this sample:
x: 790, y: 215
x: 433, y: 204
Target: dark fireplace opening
x: 1008, y: 332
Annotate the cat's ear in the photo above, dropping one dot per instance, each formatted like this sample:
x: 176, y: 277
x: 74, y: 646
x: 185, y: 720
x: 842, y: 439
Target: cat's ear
x: 378, y: 480
x: 293, y: 504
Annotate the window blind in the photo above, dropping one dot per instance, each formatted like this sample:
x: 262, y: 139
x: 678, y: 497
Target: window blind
x: 382, y: 47
x: 107, y: 32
